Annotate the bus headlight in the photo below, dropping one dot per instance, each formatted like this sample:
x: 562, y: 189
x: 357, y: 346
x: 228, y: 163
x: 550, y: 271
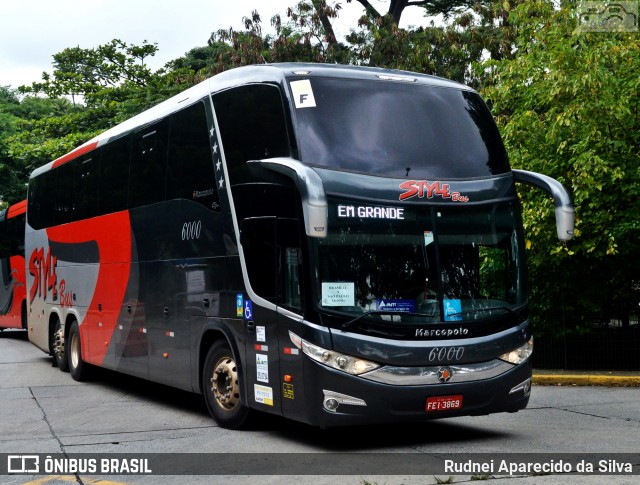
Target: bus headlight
x: 345, y: 363
x: 519, y: 355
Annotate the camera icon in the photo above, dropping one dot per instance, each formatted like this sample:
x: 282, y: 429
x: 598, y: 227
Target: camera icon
x: 607, y: 16
x: 23, y: 464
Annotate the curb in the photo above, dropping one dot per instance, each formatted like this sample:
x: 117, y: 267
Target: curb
x: 586, y: 380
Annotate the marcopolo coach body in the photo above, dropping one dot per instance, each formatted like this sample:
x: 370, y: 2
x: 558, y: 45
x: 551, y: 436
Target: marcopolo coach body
x: 338, y: 245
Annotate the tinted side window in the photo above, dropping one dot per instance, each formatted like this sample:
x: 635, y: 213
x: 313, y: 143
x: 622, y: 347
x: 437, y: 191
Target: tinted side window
x: 148, y: 165
x: 86, y: 186
x: 41, y: 200
x: 259, y: 242
x: 34, y: 202
x: 252, y: 125
x: 62, y: 178
x: 190, y: 170
x: 114, y: 176
x: 11, y: 235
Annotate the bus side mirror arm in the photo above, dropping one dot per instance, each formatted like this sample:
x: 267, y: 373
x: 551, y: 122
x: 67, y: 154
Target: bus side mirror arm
x: 310, y: 187
x: 565, y: 216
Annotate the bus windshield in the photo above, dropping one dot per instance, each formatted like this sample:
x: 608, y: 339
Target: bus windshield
x: 436, y: 264
x: 399, y: 130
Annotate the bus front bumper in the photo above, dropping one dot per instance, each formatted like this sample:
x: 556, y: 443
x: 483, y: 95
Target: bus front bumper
x: 334, y: 398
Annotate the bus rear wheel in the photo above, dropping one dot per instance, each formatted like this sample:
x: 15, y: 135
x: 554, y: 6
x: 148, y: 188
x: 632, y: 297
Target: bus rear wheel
x: 58, y: 347
x: 221, y: 387
x: 78, y: 368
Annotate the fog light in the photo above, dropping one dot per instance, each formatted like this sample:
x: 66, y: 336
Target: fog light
x: 331, y: 404
x: 525, y: 387
x: 334, y: 399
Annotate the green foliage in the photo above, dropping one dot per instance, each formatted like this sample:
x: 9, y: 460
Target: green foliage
x: 567, y: 105
x: 473, y: 30
x: 11, y: 184
x: 85, y: 72
x: 89, y: 91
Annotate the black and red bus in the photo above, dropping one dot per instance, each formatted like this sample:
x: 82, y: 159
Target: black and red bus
x: 333, y: 244
x: 13, y: 305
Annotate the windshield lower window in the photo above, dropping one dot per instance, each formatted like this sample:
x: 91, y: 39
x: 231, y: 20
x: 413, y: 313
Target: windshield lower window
x: 430, y: 265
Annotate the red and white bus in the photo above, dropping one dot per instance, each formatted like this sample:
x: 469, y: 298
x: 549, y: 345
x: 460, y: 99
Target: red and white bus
x: 333, y: 244
x: 13, y: 306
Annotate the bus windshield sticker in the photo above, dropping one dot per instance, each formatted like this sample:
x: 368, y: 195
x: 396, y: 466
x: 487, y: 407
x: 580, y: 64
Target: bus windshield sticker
x: 263, y: 394
x: 452, y: 310
x: 338, y: 294
x: 428, y: 238
x: 396, y: 305
x: 303, y: 94
x: 261, y: 333
x: 262, y: 368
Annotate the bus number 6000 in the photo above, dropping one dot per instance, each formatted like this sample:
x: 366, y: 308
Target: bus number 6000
x: 447, y: 354
x: 191, y: 230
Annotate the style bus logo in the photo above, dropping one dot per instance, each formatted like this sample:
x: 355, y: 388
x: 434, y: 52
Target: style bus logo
x: 429, y: 190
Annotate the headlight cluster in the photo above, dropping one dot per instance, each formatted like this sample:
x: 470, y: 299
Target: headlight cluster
x: 336, y: 360
x: 520, y: 354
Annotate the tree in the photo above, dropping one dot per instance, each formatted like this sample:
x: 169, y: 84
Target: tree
x: 85, y: 72
x: 567, y: 105
x: 106, y: 85
x: 9, y: 177
x: 469, y: 30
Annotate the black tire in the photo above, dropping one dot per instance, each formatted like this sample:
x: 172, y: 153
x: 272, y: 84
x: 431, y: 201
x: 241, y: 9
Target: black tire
x: 221, y: 387
x: 79, y: 369
x: 58, y: 347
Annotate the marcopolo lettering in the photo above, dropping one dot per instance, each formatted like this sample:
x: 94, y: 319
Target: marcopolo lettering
x: 441, y: 332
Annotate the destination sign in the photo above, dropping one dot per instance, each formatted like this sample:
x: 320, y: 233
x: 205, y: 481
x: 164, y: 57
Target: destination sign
x: 370, y: 212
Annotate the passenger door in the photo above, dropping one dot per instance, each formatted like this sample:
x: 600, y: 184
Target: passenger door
x: 261, y: 362
x: 272, y: 252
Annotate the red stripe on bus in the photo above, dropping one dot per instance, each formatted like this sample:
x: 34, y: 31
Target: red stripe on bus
x: 17, y: 209
x: 81, y: 150
x: 112, y: 233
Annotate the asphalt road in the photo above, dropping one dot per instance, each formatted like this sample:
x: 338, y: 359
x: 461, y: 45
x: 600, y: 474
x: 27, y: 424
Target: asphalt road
x: 42, y: 410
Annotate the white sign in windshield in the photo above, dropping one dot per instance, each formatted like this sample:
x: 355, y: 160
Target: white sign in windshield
x: 338, y: 294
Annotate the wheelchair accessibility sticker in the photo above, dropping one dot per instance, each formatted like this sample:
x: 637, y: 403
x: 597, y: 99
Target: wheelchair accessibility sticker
x: 248, y: 310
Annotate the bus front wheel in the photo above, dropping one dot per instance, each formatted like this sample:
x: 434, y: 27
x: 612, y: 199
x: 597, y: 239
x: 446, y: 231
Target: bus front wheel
x: 221, y: 387
x: 78, y: 368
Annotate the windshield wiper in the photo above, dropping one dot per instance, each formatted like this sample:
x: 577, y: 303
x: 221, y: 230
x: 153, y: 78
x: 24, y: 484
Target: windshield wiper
x: 350, y: 323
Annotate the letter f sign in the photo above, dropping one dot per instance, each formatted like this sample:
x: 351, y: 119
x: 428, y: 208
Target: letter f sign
x: 303, y: 94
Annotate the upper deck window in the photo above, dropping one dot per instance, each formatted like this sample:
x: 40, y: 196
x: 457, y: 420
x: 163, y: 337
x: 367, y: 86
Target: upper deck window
x: 252, y: 125
x: 399, y: 130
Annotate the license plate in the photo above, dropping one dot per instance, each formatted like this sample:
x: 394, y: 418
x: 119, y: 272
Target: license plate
x: 444, y: 403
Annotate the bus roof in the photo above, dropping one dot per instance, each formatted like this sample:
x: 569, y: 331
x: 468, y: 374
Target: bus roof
x: 262, y: 73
